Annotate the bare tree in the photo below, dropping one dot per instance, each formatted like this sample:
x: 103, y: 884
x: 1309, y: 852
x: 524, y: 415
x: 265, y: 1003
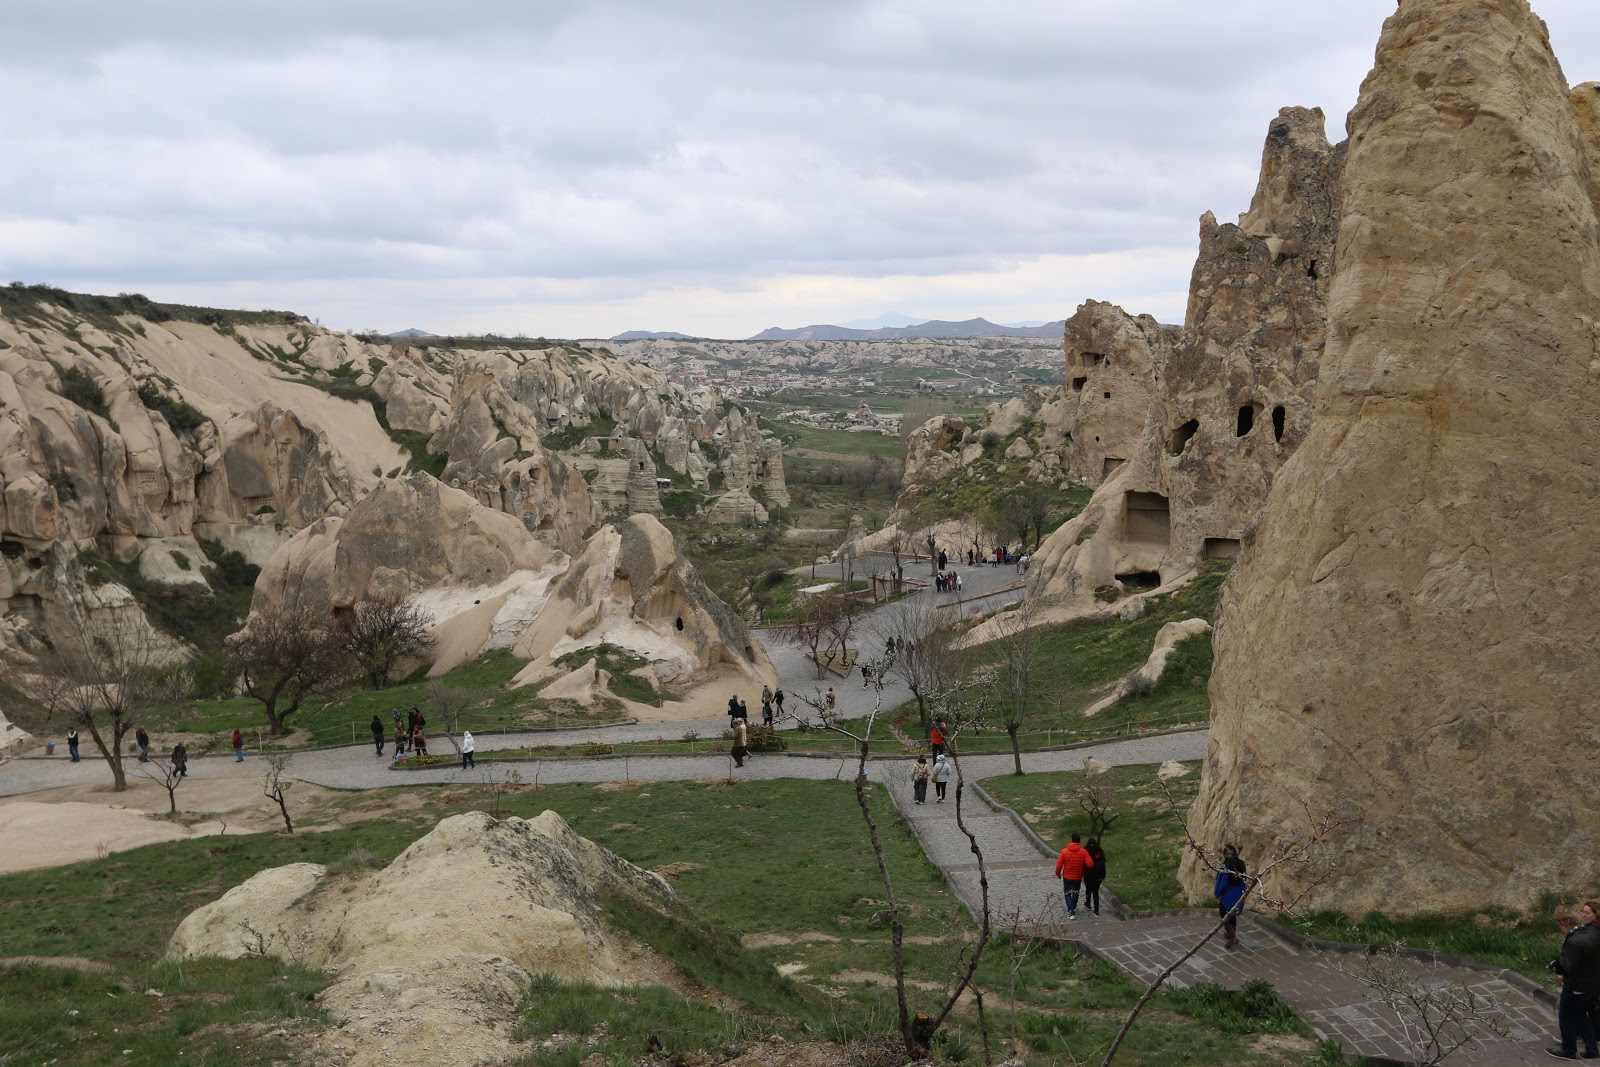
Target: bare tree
x: 283, y: 656
x: 98, y: 670
x: 915, y: 1031
x: 1437, y: 1016
x: 1017, y: 645
x: 928, y: 663
x: 449, y: 704
x: 822, y: 624
x: 277, y: 783
x: 1023, y: 509
x: 1098, y: 799
x: 164, y: 773
x: 383, y: 630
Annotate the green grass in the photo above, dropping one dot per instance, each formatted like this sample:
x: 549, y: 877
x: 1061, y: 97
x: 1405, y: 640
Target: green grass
x: 1522, y: 942
x: 843, y: 443
x: 1143, y: 846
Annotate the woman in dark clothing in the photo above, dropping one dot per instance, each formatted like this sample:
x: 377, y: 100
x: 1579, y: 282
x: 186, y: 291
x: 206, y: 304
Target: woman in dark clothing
x: 1230, y: 891
x: 377, y: 733
x: 1093, y: 876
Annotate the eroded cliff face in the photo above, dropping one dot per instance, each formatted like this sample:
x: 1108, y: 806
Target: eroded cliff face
x: 1409, y: 636
x: 1184, y: 430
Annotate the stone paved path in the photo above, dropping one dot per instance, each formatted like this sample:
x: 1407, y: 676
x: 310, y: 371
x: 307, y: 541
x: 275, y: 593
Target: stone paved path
x: 1023, y: 890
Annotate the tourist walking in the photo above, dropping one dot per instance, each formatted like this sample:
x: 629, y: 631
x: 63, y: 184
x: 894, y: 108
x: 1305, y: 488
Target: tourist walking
x: 1231, y: 889
x: 919, y: 781
x: 766, y: 706
x: 777, y: 700
x: 180, y: 760
x: 1070, y: 865
x: 1093, y: 875
x: 739, y: 739
x: 143, y: 741
x: 377, y: 732
x: 238, y: 745
x: 936, y: 738
x: 467, y: 749
x: 940, y: 775
x: 1579, y: 968
x: 72, y: 742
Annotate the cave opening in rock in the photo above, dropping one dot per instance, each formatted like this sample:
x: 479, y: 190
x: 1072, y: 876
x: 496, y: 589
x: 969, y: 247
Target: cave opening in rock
x: 1108, y: 396
x: 1247, y: 419
x: 1146, y: 519
x: 1140, y: 581
x: 1278, y: 417
x: 1220, y: 548
x: 1096, y: 358
x: 1182, y: 436
x: 1110, y: 465
x: 1078, y: 384
x: 678, y: 623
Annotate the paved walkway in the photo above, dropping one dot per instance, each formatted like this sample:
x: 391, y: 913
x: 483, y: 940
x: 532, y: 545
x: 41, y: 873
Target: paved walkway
x: 1023, y: 890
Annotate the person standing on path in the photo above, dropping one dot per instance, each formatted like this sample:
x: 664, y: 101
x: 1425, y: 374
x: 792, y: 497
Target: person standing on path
x: 395, y: 712
x: 180, y: 760
x: 739, y: 738
x: 940, y: 775
x: 468, y: 746
x: 830, y: 706
x: 1070, y: 865
x: 1230, y: 891
x: 72, y: 742
x: 238, y: 745
x: 1579, y: 968
x: 936, y: 738
x: 919, y: 781
x: 377, y: 732
x: 777, y: 700
x: 1094, y: 875
x: 419, y: 743
x: 399, y: 738
x: 143, y: 741
x: 766, y: 707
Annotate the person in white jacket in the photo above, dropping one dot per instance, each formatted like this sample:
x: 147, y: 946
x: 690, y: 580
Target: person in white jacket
x: 467, y: 758
x: 940, y: 775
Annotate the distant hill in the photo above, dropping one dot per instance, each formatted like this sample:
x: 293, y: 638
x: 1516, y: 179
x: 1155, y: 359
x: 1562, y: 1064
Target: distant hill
x: 413, y: 332
x: 936, y: 328
x: 888, y: 318
x: 646, y: 335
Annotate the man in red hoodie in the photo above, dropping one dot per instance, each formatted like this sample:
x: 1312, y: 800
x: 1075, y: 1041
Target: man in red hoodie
x: 1070, y: 865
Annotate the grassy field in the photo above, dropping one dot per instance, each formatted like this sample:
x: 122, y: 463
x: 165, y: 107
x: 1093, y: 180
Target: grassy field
x: 772, y: 873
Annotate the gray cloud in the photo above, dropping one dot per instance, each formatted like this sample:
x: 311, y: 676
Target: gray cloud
x: 576, y: 164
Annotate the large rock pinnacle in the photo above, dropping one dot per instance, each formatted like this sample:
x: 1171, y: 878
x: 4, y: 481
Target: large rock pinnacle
x: 1410, y: 637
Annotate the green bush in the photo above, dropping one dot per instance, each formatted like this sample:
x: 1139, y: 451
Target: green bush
x: 83, y: 391
x: 181, y: 417
x: 596, y: 748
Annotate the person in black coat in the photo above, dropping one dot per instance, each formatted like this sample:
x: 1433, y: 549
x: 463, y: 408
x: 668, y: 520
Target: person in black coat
x: 1579, y: 968
x: 377, y: 733
x: 1093, y: 876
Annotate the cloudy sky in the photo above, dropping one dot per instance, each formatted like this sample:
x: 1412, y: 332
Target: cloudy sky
x: 709, y: 166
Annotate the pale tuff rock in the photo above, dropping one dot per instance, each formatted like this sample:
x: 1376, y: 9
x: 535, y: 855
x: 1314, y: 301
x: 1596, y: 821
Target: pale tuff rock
x: 751, y: 460
x: 1229, y: 396
x: 630, y: 588
x: 12, y: 736
x: 1172, y: 769
x: 406, y: 536
x: 933, y: 452
x: 1409, y: 636
x: 736, y: 508
x: 430, y: 957
x: 621, y: 473
x: 1113, y: 362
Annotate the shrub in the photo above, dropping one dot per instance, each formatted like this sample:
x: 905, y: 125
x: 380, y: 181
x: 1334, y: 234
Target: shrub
x: 83, y: 391
x: 180, y: 416
x: 595, y: 748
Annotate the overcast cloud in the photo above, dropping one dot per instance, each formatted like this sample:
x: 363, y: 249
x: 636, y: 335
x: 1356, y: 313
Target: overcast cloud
x: 712, y: 167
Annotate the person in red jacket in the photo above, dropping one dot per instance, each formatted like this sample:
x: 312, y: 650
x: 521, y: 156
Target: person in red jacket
x: 1070, y: 865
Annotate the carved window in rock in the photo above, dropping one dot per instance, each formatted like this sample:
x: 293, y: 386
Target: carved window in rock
x: 1247, y: 419
x: 1146, y: 519
x: 1110, y: 465
x: 1220, y: 548
x: 1108, y: 396
x: 1078, y: 384
x: 1279, y: 417
x: 1182, y: 436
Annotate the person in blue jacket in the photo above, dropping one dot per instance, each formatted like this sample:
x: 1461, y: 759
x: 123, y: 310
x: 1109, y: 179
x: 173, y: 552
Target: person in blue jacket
x: 1232, y: 886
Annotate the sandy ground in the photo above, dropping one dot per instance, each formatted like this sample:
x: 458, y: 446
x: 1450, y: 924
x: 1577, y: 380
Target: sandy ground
x: 75, y: 823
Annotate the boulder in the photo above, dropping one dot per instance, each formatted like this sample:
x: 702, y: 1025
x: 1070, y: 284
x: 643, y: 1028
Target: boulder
x: 432, y: 955
x: 1408, y: 638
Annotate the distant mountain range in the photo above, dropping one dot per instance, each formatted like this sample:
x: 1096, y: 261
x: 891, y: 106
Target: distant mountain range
x: 936, y: 328
x: 647, y: 335
x: 413, y: 332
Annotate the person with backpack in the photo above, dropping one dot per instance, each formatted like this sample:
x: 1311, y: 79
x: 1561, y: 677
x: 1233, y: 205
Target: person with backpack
x: 1231, y: 889
x: 1070, y: 865
x: 919, y: 781
x: 1094, y: 875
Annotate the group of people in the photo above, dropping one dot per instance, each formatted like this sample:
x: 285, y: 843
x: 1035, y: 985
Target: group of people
x: 408, y: 732
x: 179, y: 757
x: 1082, y: 869
x: 947, y: 582
x: 938, y: 773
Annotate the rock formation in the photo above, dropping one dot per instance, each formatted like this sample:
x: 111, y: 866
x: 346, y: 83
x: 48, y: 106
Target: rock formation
x: 432, y: 956
x: 1224, y: 402
x: 1409, y: 636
